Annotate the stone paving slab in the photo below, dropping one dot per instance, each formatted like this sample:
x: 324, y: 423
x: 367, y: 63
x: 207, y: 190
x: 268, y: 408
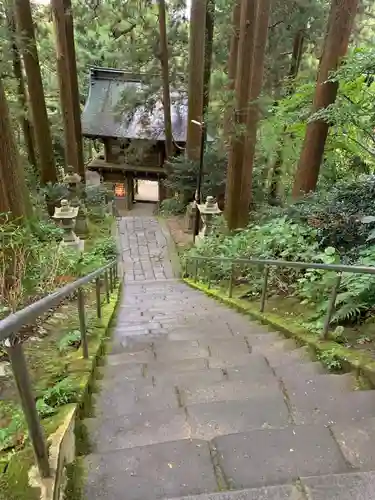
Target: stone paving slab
x: 288, y: 492
x: 211, y: 420
x: 137, y: 429
x: 256, y: 369
x: 227, y: 348
x: 328, y: 408
x: 180, y: 350
x: 356, y: 440
x: 156, y: 368
x: 229, y: 391
x: 353, y: 486
x: 233, y: 360
x: 151, y: 472
x: 277, y: 456
x: 190, y: 378
x: 119, y: 402
x: 130, y: 357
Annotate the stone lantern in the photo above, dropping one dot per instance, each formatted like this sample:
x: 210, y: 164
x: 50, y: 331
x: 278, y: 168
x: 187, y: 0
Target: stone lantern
x: 66, y: 215
x: 73, y: 182
x: 207, y: 212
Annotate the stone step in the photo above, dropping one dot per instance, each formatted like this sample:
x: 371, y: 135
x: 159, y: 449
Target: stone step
x: 352, y: 486
x: 356, y: 440
x: 179, y: 379
x: 278, y: 456
x: 151, y: 472
x: 137, y: 429
x: 324, y: 383
x: 305, y: 370
x: 156, y: 368
x: 285, y: 492
x: 279, y: 357
x: 261, y: 411
x: 229, y: 391
x: 327, y: 407
x: 132, y: 399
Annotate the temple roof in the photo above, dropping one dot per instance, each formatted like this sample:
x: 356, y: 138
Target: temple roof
x: 112, y: 90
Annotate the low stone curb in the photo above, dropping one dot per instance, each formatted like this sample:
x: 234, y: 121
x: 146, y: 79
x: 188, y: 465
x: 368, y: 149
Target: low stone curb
x: 359, y: 363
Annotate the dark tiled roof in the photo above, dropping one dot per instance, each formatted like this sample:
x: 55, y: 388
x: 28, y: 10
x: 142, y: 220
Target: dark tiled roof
x: 102, y: 116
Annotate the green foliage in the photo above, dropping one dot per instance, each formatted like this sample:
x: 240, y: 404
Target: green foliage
x: 172, y: 206
x: 70, y: 339
x: 330, y: 360
x: 183, y: 173
x: 64, y: 392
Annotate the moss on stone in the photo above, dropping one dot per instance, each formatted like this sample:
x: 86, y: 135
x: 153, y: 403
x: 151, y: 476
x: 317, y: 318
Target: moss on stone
x: 14, y: 482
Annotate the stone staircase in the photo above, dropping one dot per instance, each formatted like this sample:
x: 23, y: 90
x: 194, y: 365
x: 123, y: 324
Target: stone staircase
x: 197, y: 402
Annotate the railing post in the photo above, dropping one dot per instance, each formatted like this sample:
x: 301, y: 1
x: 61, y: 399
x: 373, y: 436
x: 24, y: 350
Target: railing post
x: 97, y: 292
x: 186, y: 268
x: 264, y: 288
x: 82, y: 322
x: 22, y: 379
x: 231, y: 278
x: 196, y: 271
x: 106, y: 284
x: 331, y: 306
x: 111, y: 279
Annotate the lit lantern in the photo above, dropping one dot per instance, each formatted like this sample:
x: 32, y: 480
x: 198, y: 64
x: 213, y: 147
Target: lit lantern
x: 119, y: 190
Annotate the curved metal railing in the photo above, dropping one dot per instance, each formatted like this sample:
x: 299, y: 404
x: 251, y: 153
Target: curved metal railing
x: 11, y: 325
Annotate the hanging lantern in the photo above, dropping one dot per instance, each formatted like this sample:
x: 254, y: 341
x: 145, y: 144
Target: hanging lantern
x: 119, y: 190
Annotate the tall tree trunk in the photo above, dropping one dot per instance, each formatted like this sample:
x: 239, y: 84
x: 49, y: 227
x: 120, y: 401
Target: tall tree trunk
x: 196, y: 72
x: 12, y: 177
x: 242, y: 87
x: 43, y: 137
x: 66, y: 97
x: 257, y: 73
x: 340, y: 26
x: 276, y: 170
x: 209, y: 35
x: 72, y: 65
x: 232, y: 67
x: 21, y: 92
x: 164, y: 56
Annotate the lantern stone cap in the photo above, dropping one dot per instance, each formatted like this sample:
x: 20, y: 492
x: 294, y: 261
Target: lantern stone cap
x: 210, y: 207
x: 65, y: 211
x: 71, y: 177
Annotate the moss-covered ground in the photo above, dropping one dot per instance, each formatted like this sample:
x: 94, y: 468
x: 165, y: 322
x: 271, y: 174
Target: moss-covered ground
x: 61, y: 377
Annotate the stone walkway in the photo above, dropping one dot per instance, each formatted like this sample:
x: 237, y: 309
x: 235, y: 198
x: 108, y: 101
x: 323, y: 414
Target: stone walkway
x: 197, y: 402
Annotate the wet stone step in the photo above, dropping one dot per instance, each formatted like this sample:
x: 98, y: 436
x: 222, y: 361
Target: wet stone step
x: 137, y: 429
x: 152, y: 472
x: 278, y: 456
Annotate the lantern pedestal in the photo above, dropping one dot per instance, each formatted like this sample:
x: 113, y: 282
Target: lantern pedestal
x: 207, y: 211
x: 73, y: 181
x: 67, y: 215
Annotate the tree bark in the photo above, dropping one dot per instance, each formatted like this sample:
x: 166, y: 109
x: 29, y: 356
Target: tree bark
x: 43, y: 137
x: 196, y: 77
x: 164, y: 61
x: 66, y: 96
x: 21, y: 92
x: 293, y: 73
x: 209, y: 35
x: 340, y: 26
x: 232, y: 68
x: 72, y: 65
x: 14, y: 196
x: 242, y: 87
x: 257, y: 73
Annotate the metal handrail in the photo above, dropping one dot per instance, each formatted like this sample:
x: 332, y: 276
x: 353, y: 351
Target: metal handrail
x: 268, y: 263
x: 11, y: 325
